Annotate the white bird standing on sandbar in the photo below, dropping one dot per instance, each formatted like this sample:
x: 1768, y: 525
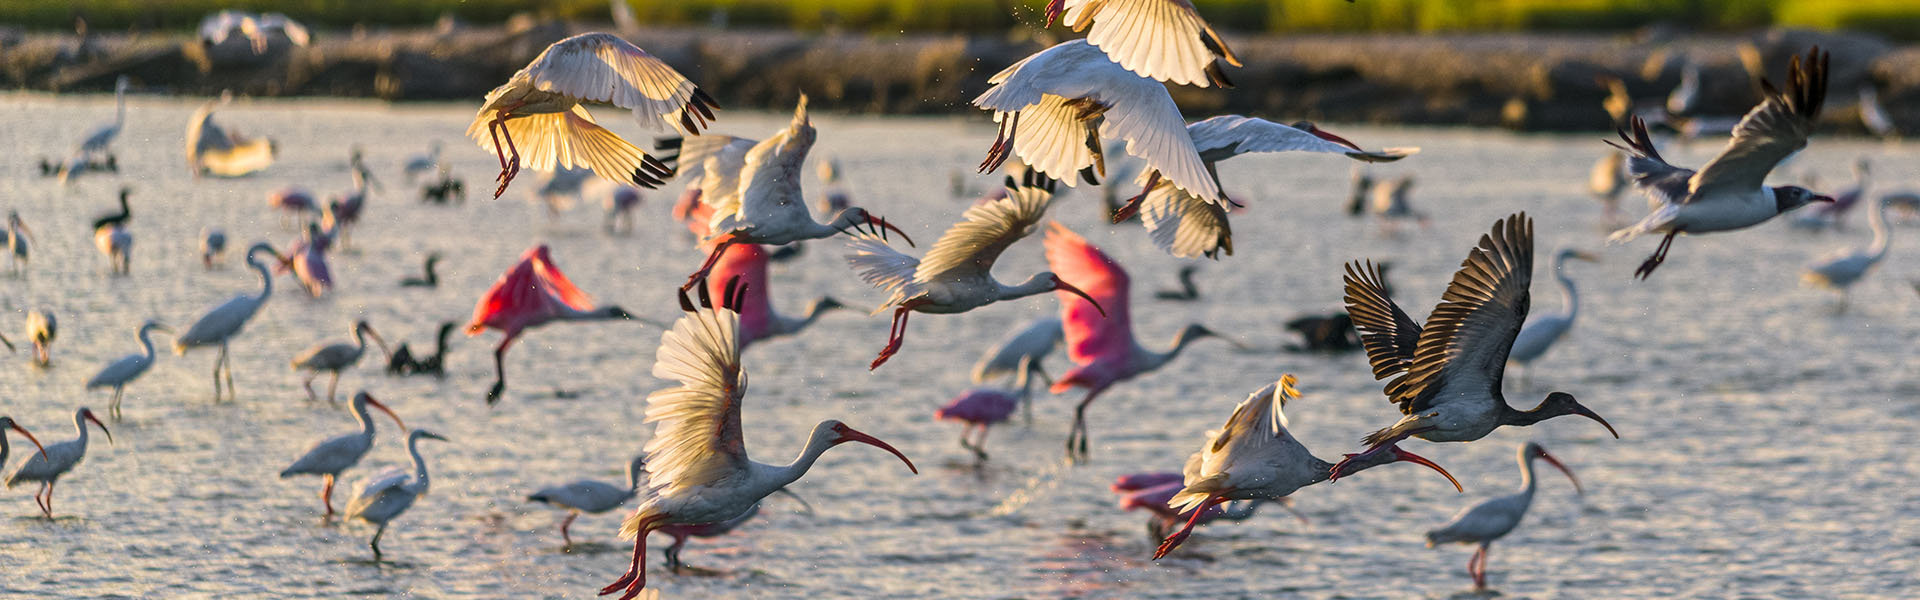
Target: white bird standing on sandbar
x: 385, y: 496
x: 341, y: 452
x: 541, y: 106
x: 1493, y: 519
x: 121, y: 372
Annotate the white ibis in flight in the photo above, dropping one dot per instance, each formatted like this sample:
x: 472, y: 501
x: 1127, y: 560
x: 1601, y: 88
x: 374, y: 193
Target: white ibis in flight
x: 957, y: 274
x: 531, y: 294
x: 1730, y: 193
x: 1159, y: 39
x: 1447, y: 374
x: 56, y: 460
x: 385, y: 496
x: 218, y: 326
x: 1099, y: 330
x: 1495, y: 518
x: 698, y: 467
x: 1254, y: 456
x: 542, y: 107
x: 119, y: 373
x: 336, y: 357
x: 331, y: 456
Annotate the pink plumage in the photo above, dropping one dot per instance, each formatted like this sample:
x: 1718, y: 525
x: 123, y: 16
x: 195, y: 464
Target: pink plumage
x: 291, y: 199
x: 748, y: 262
x: 979, y: 406
x: 1134, y: 482
x: 1100, y: 346
x: 533, y: 292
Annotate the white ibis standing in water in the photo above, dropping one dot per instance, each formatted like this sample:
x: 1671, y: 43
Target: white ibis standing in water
x: 336, y: 357
x: 1159, y: 39
x: 1540, y: 333
x: 422, y: 164
x: 341, y: 452
x: 1840, y: 270
x: 1070, y: 96
x: 218, y: 326
x: 1254, y: 456
x: 1493, y: 519
x: 542, y: 106
x: 385, y: 496
x: 533, y: 293
x: 767, y: 207
x: 957, y: 274
x: 591, y: 496
x: 119, y: 373
x: 1447, y: 375
x: 56, y: 460
x: 1022, y: 347
x: 698, y: 467
x: 1099, y: 330
x: 97, y: 145
x: 42, y: 328
x: 116, y: 243
x: 1730, y: 193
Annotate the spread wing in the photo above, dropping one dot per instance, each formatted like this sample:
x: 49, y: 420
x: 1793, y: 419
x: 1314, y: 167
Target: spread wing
x: 1771, y: 132
x: 1227, y: 136
x: 970, y: 247
x: 697, y: 437
x: 1160, y: 39
x: 1089, y: 334
x: 1183, y: 225
x: 1389, y: 335
x: 770, y: 177
x: 1469, y: 334
x: 601, y: 67
x: 1664, y: 183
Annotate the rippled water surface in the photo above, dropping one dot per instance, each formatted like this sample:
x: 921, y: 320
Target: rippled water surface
x: 1767, y: 441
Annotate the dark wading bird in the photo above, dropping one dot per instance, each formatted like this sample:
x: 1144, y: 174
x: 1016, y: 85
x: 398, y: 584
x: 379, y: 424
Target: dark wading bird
x: 403, y: 361
x: 1447, y: 375
x: 428, y: 278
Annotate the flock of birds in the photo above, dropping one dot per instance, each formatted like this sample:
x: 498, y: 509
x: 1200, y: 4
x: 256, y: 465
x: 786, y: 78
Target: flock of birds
x: 1059, y: 113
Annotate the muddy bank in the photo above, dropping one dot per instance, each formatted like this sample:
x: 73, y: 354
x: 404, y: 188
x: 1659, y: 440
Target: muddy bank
x: 1526, y: 82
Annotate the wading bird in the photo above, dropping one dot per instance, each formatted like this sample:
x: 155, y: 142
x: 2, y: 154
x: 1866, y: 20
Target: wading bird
x: 18, y: 238
x: 219, y: 325
x: 56, y: 460
x: 427, y: 278
x: 1493, y: 519
x: 421, y: 164
x: 336, y: 454
x: 97, y: 145
x: 116, y: 219
x: 7, y: 423
x: 42, y: 328
x: 1254, y: 456
x: 981, y: 407
x: 620, y: 206
x: 307, y: 259
x: 1159, y: 39
x: 1730, y: 193
x: 117, y: 244
x: 591, y: 496
x: 1100, y: 341
x: 385, y: 496
x: 293, y: 204
x: 1446, y: 376
x: 767, y: 207
x: 542, y: 106
x: 1187, y: 292
x: 336, y: 357
x: 699, y: 469
x: 1025, y: 346
x: 1540, y: 333
x: 119, y: 373
x: 402, y: 362
x: 532, y: 293
x: 213, y: 245
x: 1070, y: 96
x: 957, y: 275
x: 1841, y: 269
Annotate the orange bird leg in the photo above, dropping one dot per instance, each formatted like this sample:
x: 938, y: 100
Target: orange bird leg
x: 1174, y: 541
x: 509, y: 167
x: 636, y: 577
x: 713, y: 258
x: 1132, y: 207
x: 564, y: 536
x: 898, y: 335
x: 326, y: 494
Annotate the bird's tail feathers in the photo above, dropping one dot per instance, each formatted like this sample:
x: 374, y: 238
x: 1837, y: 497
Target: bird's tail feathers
x: 1196, y: 493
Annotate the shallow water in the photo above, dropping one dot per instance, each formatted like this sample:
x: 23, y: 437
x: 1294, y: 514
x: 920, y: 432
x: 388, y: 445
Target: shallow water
x: 1766, y: 443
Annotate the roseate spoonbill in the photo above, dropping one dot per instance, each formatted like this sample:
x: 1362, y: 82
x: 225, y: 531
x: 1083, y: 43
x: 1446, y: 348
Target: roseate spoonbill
x: 1447, y: 375
x: 981, y: 407
x: 699, y: 469
x: 1325, y: 333
x: 620, y: 206
x: 42, y: 328
x: 336, y: 357
x: 219, y: 325
x: 213, y: 246
x: 1254, y: 456
x: 212, y: 150
x: 18, y: 238
x: 1186, y: 225
x: 403, y: 363
x: 591, y: 496
x: 1730, y: 193
x: 421, y: 164
x: 116, y: 219
x: 1540, y: 333
x: 329, y: 457
x: 767, y: 207
x: 1158, y: 39
x: 119, y: 373
x: 1188, y: 292
x: 758, y: 320
x: 1491, y: 520
x: 293, y: 203
x: 957, y: 275
x: 532, y: 293
x: 1102, y: 347
x: 98, y: 142
x: 428, y: 278
x: 1841, y: 269
x: 343, y: 210
x: 117, y: 244
x: 307, y: 259
x: 1065, y: 94
x: 1162, y: 520
x: 385, y: 496
x: 56, y: 460
x: 1025, y: 346
x: 7, y: 423
x: 542, y: 105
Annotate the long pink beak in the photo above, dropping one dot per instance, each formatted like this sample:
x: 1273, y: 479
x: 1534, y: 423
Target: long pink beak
x: 847, y: 434
x: 383, y: 408
x: 96, y: 421
x: 1067, y: 287
x: 1563, y: 469
x: 880, y: 222
x: 30, y: 438
x: 1405, y: 456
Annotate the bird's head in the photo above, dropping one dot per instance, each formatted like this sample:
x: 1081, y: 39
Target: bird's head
x: 1062, y: 286
x: 824, y: 304
x: 1196, y: 331
x: 260, y: 247
x: 1789, y: 197
x: 1309, y: 127
x: 87, y: 413
x: 615, y: 312
x: 1533, y: 450
x: 840, y: 433
x: 367, y: 399
x: 1574, y: 254
x: 152, y: 325
x: 7, y: 423
x: 1562, y: 403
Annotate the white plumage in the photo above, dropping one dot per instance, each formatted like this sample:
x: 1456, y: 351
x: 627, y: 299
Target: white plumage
x: 1542, y: 331
x: 1494, y: 518
x: 1032, y: 341
x: 212, y: 150
x: 1841, y: 269
x: 1159, y: 39
x: 336, y: 357
x: 336, y: 454
x: 218, y: 326
x: 119, y: 373
x: 385, y: 496
x: 56, y: 460
x: 591, y: 496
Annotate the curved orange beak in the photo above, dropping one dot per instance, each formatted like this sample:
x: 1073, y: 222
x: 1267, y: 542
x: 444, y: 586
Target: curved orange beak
x: 1405, y: 456
x: 383, y: 408
x: 30, y: 438
x: 1563, y: 469
x: 848, y: 434
x: 96, y: 421
x: 1067, y: 287
x: 880, y: 222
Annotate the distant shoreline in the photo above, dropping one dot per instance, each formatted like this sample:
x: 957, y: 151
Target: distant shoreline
x: 1527, y: 82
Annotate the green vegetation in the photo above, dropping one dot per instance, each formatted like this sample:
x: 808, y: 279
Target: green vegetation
x: 1895, y: 18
